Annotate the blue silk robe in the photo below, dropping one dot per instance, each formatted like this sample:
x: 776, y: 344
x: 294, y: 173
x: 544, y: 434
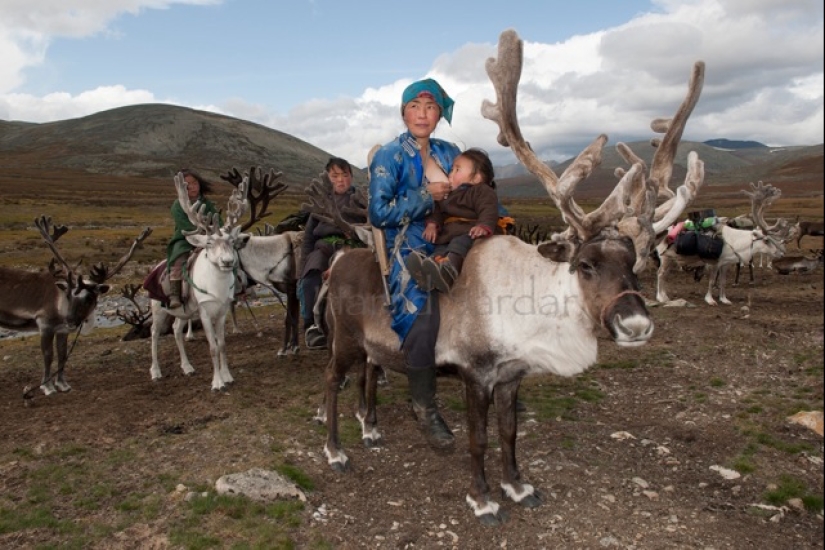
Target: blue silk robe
x: 399, y: 204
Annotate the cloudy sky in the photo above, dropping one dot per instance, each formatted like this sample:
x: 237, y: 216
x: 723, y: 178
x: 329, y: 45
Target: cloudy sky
x: 331, y: 72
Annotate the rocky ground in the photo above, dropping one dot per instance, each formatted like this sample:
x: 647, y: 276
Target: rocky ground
x: 684, y: 443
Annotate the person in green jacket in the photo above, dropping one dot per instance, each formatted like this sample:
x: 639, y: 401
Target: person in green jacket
x: 178, y: 249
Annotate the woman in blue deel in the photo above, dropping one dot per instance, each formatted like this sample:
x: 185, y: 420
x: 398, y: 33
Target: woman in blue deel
x: 407, y: 176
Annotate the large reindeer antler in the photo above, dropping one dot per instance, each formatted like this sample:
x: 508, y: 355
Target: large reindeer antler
x: 505, y: 73
x: 100, y: 273
x: 136, y: 317
x: 262, y: 189
x: 762, y: 196
x: 50, y: 234
x: 634, y: 195
x: 323, y: 206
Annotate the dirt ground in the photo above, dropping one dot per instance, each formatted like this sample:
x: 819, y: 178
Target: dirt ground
x: 623, y: 455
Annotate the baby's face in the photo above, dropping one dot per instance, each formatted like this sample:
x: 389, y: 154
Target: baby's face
x: 463, y: 171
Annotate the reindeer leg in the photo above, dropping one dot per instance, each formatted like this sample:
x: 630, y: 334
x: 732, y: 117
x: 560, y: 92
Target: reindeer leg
x: 47, y: 348
x: 713, y: 278
x: 511, y: 485
x: 368, y: 385
x: 190, y: 332
x: 661, y: 274
x: 211, y: 330
x: 177, y: 330
x: 723, y: 273
x: 220, y: 341
x: 158, y: 322
x: 293, y: 313
x: 336, y: 458
x: 485, y: 509
x: 62, y: 355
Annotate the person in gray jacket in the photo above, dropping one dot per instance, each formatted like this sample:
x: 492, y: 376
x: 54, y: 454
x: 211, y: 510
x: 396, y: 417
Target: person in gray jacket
x: 321, y: 240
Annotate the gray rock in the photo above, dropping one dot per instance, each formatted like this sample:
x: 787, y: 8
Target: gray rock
x: 259, y: 485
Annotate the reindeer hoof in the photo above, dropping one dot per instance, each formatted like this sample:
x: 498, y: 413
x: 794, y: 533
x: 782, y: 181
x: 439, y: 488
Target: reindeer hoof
x: 492, y: 520
x: 340, y: 467
x: 531, y: 501
x: 371, y: 443
x: 287, y: 351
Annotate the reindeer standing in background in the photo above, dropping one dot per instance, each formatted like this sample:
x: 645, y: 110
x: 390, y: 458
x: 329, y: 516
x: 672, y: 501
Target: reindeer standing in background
x: 814, y: 229
x: 55, y: 303
x: 740, y: 245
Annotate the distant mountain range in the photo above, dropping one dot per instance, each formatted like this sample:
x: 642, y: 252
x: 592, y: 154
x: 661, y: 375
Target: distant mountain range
x: 797, y: 170
x: 155, y: 140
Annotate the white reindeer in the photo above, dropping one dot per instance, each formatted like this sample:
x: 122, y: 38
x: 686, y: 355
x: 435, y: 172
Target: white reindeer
x: 740, y: 246
x: 212, y: 284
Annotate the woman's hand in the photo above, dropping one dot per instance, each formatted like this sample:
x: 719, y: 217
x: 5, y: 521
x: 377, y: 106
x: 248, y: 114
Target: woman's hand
x: 439, y: 190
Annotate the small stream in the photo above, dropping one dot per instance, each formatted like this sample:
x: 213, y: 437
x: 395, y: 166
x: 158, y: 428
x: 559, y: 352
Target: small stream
x: 108, y: 306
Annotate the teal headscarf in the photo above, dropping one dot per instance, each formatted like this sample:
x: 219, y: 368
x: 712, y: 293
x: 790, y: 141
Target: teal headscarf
x: 431, y: 88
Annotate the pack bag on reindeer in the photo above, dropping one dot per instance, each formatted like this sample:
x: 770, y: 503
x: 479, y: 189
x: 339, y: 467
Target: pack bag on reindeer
x: 698, y: 235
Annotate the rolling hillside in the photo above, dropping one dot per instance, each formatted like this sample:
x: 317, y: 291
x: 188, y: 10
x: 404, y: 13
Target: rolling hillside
x: 153, y: 141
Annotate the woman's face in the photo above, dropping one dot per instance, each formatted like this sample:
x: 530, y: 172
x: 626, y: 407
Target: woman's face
x: 421, y: 116
x: 193, y: 187
x: 341, y: 180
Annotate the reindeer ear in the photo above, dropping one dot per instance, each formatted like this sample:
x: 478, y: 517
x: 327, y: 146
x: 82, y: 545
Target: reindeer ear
x: 557, y: 251
x: 103, y: 289
x: 62, y: 285
x: 242, y: 240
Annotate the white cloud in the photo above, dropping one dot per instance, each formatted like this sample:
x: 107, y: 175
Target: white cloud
x: 764, y: 79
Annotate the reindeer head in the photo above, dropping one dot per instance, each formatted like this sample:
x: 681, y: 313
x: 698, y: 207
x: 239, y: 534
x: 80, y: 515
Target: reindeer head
x: 772, y: 237
x: 218, y: 242
x: 81, y: 296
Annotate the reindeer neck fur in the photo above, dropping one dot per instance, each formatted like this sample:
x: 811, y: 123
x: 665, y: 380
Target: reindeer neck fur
x: 535, y: 311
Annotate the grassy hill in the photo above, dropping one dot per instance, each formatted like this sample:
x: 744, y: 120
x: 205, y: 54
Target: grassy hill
x: 154, y: 141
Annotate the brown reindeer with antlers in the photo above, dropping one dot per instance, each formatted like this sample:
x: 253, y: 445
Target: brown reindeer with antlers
x: 519, y: 309
x: 55, y: 303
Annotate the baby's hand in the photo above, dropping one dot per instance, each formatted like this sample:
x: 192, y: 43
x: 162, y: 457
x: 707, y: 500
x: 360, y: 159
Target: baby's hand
x: 430, y: 232
x: 478, y: 231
